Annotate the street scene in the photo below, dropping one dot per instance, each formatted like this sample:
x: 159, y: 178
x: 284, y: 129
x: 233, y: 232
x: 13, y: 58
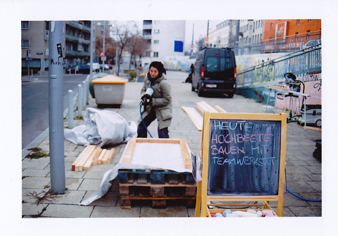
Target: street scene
x: 241, y: 101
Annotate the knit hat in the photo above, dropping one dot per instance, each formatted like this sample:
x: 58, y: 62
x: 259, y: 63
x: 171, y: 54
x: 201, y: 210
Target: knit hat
x: 159, y: 66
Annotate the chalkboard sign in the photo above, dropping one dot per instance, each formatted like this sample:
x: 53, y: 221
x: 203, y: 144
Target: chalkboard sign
x: 244, y: 157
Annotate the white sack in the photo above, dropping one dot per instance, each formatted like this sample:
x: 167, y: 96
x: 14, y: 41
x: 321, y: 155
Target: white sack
x: 102, y: 127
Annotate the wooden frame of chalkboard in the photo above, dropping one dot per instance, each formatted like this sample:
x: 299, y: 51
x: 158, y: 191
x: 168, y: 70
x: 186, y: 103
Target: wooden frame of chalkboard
x: 243, y: 158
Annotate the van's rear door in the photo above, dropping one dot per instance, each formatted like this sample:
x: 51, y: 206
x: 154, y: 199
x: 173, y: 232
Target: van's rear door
x: 220, y: 64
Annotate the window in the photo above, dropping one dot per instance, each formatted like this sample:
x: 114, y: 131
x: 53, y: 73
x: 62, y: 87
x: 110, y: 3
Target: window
x: 271, y: 27
x: 25, y: 43
x: 24, y: 24
x: 156, y: 31
x: 308, y: 34
x: 298, y: 21
x: 155, y: 54
x: 296, y: 36
x: 156, y: 41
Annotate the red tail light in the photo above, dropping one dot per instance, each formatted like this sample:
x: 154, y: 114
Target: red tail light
x: 202, y: 72
x: 235, y: 73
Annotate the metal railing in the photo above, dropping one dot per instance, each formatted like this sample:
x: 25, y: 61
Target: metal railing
x: 300, y: 63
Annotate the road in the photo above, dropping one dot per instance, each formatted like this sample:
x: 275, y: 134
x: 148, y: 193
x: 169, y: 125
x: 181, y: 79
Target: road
x: 34, y: 97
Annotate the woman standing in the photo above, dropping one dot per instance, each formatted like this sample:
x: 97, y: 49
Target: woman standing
x: 158, y: 105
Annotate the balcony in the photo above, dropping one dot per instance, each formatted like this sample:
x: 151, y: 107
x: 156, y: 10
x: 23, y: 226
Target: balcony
x: 147, y: 26
x: 147, y: 36
x: 77, y: 53
x: 77, y: 39
x: 78, y: 25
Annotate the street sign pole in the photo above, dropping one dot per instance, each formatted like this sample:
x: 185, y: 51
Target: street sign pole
x: 55, y: 104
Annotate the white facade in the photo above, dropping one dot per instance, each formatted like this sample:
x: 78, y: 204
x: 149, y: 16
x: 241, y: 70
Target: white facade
x: 166, y: 38
x: 220, y: 36
x: 252, y: 32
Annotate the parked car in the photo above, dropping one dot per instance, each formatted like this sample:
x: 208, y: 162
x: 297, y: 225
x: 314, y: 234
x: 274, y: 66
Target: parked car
x: 96, y: 66
x: 215, y: 72
x: 79, y: 69
x: 106, y: 67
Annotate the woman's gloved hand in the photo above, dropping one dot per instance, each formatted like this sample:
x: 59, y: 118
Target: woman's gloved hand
x: 146, y: 100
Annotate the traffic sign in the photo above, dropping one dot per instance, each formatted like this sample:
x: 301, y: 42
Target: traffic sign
x: 102, y: 54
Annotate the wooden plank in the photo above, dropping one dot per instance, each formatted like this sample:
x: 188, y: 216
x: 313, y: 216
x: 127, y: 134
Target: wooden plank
x: 313, y: 128
x: 220, y: 109
x: 108, y: 156
x: 83, y: 160
x: 82, y: 154
x: 99, y: 159
x: 83, y: 157
x: 185, y: 154
x: 156, y: 140
x: 96, y: 154
x: 129, y: 152
x: 90, y: 160
x: 205, y: 107
x: 194, y: 116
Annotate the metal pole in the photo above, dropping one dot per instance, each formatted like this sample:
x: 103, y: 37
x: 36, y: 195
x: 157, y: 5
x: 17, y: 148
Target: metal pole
x: 70, y: 109
x: 91, y: 48
x: 55, y: 104
x: 104, y: 42
x: 79, y: 100
x: 84, y: 94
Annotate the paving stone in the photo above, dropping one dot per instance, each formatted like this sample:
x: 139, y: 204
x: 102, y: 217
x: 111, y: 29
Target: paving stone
x: 90, y: 184
x: 31, y: 209
x: 37, y: 164
x: 37, y: 173
x: 70, y: 197
x: 74, y: 174
x: 316, y: 185
x: 306, y: 211
x: 35, y: 182
x: 300, y: 187
x: 191, y: 212
x: 73, y: 183
x: 100, y: 211
x: 172, y: 211
x: 91, y: 174
x: 27, y: 198
x: 68, y: 211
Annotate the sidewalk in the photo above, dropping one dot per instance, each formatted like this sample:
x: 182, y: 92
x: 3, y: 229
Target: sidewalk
x: 303, y: 171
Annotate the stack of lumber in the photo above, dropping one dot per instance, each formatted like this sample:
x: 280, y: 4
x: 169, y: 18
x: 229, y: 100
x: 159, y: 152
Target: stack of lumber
x: 92, y: 155
x: 196, y: 118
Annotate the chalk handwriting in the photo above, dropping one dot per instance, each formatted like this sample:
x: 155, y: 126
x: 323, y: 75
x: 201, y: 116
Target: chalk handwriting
x: 240, y: 138
x: 246, y: 160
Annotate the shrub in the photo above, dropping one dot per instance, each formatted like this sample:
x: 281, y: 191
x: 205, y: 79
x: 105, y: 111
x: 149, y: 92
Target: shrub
x: 132, y: 75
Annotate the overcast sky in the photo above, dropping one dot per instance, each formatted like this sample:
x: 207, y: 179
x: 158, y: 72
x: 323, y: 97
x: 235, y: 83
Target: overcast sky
x: 199, y: 26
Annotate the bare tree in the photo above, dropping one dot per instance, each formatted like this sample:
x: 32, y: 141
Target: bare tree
x: 123, y: 34
x: 110, y: 45
x: 137, y: 47
x: 200, y: 43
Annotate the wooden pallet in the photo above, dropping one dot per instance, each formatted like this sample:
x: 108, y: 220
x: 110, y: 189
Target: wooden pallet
x: 92, y: 155
x: 139, y: 188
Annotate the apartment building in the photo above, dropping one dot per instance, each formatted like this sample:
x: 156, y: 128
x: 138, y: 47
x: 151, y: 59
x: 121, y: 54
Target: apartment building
x: 35, y: 44
x: 302, y: 30
x: 165, y: 38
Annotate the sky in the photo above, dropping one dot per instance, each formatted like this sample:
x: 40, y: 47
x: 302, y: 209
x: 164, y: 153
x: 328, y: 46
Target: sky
x: 198, y: 27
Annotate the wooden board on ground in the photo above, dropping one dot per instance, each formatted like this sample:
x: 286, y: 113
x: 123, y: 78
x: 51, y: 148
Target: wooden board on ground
x: 92, y: 155
x: 195, y: 117
x: 203, y: 107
